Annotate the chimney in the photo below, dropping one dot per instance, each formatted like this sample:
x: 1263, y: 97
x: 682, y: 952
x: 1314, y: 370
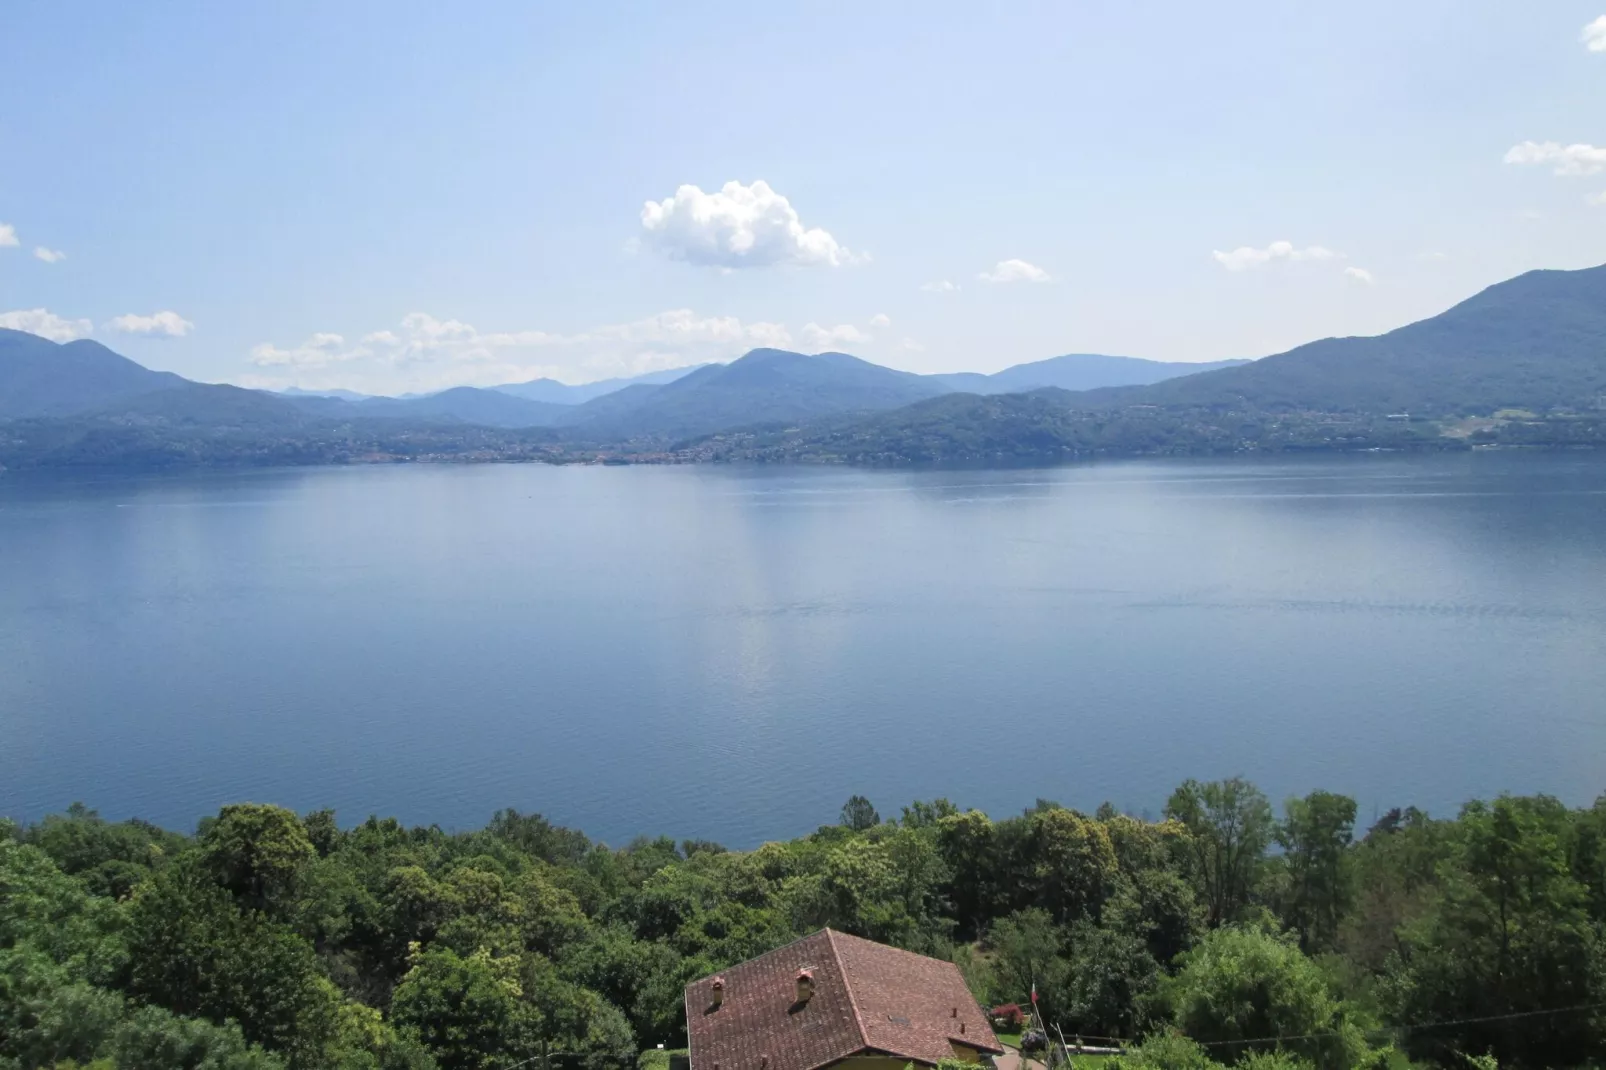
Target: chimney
x: 805, y: 985
x: 719, y: 991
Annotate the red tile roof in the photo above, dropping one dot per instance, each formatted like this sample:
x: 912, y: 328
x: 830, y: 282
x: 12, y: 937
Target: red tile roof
x: 868, y: 998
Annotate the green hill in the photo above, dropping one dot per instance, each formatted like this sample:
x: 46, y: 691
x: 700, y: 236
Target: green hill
x: 1536, y: 342
x: 767, y: 386
x: 39, y: 377
x: 1077, y: 371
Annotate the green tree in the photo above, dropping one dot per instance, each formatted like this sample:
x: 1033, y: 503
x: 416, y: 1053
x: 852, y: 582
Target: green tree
x: 969, y: 852
x: 1315, y: 835
x: 153, y: 1039
x: 920, y: 814
x: 1110, y: 984
x: 194, y: 952
x: 1230, y: 825
x: 859, y: 815
x: 1026, y: 949
x: 1072, y: 863
x: 1509, y: 934
x: 258, y: 853
x: 466, y: 1011
x: 1241, y: 984
x: 46, y: 1017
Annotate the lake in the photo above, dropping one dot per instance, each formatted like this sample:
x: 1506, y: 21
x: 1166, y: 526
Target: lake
x: 730, y: 653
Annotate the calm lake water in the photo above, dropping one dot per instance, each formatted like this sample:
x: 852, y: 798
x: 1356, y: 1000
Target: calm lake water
x: 730, y: 653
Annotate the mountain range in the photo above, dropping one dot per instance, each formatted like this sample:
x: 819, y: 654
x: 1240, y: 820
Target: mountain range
x: 1524, y: 358
x: 765, y: 386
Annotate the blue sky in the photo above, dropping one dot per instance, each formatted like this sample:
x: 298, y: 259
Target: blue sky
x: 400, y: 196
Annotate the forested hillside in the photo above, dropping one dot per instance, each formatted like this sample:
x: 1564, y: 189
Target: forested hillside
x: 1227, y: 932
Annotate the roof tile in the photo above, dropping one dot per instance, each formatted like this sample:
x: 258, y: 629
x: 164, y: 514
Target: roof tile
x: 867, y: 997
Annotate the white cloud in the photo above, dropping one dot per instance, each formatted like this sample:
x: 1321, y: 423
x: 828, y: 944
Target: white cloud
x: 1597, y: 198
x: 1360, y: 275
x: 737, y: 226
x: 912, y: 346
x: 1432, y: 254
x: 1594, y: 35
x: 45, y: 324
x: 8, y: 235
x: 49, y: 256
x: 1245, y: 257
x: 167, y: 323
x: 318, y: 351
x: 881, y: 319
x: 821, y: 339
x: 1570, y: 161
x: 941, y: 286
x: 1014, y: 271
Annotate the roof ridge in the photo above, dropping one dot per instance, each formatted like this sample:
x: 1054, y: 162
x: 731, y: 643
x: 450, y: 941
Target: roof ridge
x: 847, y: 986
x: 755, y: 958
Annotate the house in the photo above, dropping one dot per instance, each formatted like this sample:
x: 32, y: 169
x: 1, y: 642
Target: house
x: 839, y: 1001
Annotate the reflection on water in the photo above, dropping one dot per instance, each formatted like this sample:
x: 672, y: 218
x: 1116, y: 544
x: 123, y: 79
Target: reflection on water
x: 730, y: 653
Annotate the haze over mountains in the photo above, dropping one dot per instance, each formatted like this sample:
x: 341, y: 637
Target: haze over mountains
x: 1535, y: 344
x: 765, y: 385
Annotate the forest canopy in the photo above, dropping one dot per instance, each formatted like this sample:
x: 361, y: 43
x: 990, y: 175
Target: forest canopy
x: 1229, y: 932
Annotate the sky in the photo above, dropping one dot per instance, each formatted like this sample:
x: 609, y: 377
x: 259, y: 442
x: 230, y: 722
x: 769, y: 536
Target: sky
x: 403, y: 196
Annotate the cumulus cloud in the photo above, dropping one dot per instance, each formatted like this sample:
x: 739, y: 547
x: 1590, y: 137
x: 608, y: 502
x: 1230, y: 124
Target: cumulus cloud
x: 881, y: 319
x: 45, y: 324
x: 426, y: 352
x: 1570, y: 161
x: 1245, y: 257
x: 1360, y: 275
x: 8, y: 235
x: 1594, y: 35
x: 941, y: 286
x: 820, y: 339
x: 1014, y: 271
x: 737, y: 226
x: 49, y: 256
x: 167, y: 323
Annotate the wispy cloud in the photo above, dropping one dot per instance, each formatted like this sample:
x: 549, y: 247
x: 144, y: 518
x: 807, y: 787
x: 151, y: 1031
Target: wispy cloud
x: 941, y: 286
x: 1014, y: 271
x: 49, y: 256
x: 166, y: 323
x: 1246, y: 256
x: 1360, y: 275
x: 8, y: 236
x: 426, y: 352
x: 821, y: 339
